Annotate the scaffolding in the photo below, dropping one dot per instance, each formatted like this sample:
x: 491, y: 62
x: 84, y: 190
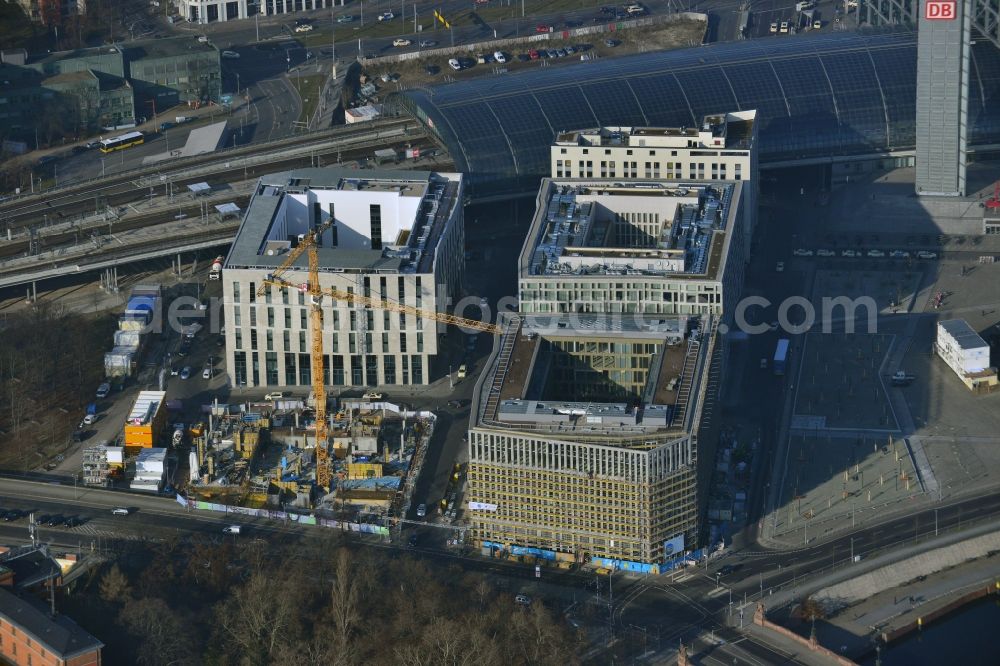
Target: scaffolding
x: 95, y: 466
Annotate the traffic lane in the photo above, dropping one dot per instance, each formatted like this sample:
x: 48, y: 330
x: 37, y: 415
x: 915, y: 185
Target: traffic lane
x: 782, y: 567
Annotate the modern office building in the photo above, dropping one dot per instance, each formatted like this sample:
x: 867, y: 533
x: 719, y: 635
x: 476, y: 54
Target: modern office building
x: 396, y: 236
x: 640, y: 248
x: 720, y: 148
x: 584, y: 441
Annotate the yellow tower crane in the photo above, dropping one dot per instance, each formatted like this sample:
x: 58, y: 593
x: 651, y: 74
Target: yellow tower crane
x: 316, y: 293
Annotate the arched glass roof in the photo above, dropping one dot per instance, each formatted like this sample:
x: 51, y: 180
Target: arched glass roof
x: 817, y: 95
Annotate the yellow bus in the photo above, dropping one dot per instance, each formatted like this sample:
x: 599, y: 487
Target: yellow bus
x: 121, y: 142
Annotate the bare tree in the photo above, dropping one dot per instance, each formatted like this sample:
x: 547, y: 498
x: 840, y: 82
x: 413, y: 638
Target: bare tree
x: 114, y: 586
x: 344, y: 601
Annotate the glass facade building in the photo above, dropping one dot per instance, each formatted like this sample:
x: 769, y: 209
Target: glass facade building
x: 817, y: 96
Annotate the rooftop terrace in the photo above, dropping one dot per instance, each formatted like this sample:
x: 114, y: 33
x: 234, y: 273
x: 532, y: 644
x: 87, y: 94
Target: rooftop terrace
x: 628, y: 228
x: 414, y: 208
x: 729, y: 131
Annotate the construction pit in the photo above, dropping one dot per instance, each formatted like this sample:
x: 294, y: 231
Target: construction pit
x: 264, y: 456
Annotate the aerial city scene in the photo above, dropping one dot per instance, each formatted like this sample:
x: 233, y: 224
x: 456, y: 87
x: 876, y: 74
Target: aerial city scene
x: 499, y: 333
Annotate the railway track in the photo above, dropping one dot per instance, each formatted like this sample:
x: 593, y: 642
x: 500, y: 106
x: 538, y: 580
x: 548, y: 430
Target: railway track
x: 56, y: 206
x: 190, y: 208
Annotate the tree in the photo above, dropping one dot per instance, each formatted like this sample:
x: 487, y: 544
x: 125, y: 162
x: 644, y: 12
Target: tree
x: 344, y: 601
x: 259, y: 615
x: 161, y: 633
x: 114, y: 587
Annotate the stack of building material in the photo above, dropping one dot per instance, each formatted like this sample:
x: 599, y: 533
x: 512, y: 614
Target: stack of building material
x: 150, y: 470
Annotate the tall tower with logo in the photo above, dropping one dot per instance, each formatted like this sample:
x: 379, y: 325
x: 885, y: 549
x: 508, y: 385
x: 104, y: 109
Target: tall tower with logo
x: 944, y: 39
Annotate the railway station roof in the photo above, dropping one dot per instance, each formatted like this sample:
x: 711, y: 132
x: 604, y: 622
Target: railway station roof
x: 817, y: 96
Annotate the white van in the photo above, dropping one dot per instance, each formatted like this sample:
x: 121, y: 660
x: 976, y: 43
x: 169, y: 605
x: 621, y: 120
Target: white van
x: 231, y: 529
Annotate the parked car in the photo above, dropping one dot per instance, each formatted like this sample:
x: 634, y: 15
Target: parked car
x: 462, y: 371
x: 421, y: 510
x: 303, y: 27
x: 849, y: 253
x: 924, y: 254
x: 876, y: 253
x: 774, y: 27
x: 12, y: 515
x: 611, y: 43
x: 802, y: 253
x: 455, y: 64
x: 386, y: 16
x: 165, y: 126
x: 174, y: 371
x: 89, y: 419
x: 274, y: 395
x: 346, y: 18
x: 42, y: 519
x: 533, y: 54
x: 372, y: 395
x: 522, y: 600
x: 55, y: 521
x: 899, y: 254
x: 186, y: 372
x: 400, y: 41
x: 500, y: 57
x: 103, y: 390
x: 206, y: 373
x: 233, y: 55
x: 826, y: 253
x: 413, y: 540
x: 541, y: 28
x: 231, y: 529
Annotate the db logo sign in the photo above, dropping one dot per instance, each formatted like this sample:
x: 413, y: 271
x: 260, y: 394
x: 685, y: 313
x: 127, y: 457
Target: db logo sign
x: 940, y: 10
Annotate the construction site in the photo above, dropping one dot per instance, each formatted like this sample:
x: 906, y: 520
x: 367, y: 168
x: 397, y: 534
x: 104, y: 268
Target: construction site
x: 266, y: 457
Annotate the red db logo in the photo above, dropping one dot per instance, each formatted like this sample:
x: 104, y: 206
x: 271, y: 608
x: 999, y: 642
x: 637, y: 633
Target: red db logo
x: 939, y: 10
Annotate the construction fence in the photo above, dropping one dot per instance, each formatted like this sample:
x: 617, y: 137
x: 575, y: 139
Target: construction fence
x: 501, y: 44
x: 302, y: 519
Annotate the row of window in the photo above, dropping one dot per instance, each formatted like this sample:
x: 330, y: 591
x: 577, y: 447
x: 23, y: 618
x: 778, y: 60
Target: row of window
x: 652, y: 170
x: 354, y: 340
x: 338, y: 370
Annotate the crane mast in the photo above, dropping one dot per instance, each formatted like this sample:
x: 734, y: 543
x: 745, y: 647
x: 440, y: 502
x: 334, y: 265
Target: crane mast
x: 316, y: 293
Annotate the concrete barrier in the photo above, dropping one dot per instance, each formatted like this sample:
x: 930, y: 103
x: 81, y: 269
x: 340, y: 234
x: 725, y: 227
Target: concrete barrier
x: 500, y: 44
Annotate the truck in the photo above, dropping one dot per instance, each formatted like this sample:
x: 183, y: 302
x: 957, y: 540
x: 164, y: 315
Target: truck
x: 780, y: 356
x: 216, y: 271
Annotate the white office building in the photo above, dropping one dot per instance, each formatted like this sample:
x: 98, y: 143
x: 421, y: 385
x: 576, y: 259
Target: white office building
x: 722, y: 148
x: 966, y: 353
x: 397, y: 236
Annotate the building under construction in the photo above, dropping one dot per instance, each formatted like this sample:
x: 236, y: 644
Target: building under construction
x: 584, y: 445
